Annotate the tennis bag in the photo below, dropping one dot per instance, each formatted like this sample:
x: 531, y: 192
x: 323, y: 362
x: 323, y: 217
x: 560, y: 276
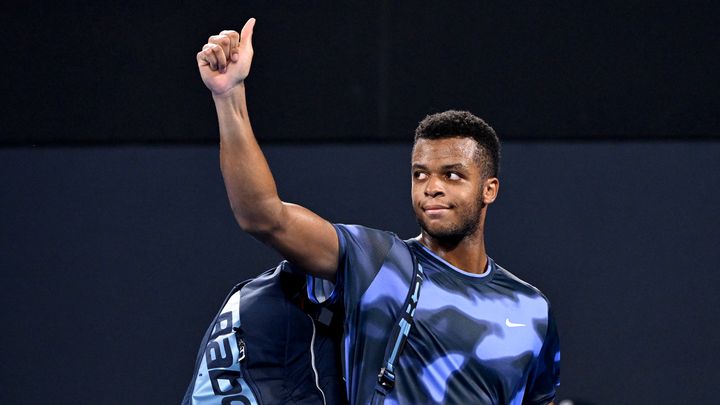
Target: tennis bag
x: 269, y: 344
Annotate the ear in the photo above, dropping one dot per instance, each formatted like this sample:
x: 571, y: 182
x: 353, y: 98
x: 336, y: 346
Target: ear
x: 491, y: 187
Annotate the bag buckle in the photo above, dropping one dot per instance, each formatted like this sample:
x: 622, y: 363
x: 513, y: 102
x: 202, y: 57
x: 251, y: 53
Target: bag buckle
x: 386, y: 379
x: 241, y: 349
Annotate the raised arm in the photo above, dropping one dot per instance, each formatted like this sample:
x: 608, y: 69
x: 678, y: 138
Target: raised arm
x: 298, y: 234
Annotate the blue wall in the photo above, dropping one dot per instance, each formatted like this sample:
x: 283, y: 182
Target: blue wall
x: 113, y: 260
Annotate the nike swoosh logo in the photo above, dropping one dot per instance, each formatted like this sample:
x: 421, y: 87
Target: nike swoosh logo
x: 513, y: 324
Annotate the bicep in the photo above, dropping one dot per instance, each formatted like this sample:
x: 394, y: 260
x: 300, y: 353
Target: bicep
x: 306, y: 240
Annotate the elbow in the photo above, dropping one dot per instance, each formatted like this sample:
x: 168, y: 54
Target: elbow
x: 262, y: 223
x: 258, y: 228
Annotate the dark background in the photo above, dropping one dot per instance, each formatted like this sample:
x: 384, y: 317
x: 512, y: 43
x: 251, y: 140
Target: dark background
x: 117, y: 243
x: 116, y: 72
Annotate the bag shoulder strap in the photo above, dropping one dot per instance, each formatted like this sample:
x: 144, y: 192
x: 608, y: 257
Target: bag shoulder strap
x: 401, y: 330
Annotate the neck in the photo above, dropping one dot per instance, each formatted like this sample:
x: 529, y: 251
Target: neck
x: 467, y: 253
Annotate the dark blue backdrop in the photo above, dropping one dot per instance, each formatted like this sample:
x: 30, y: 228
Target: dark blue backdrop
x: 115, y: 259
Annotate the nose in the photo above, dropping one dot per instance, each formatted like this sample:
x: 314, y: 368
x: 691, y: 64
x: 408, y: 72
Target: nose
x: 433, y: 187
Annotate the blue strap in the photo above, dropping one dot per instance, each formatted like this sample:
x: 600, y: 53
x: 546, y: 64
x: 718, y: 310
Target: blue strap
x: 399, y: 335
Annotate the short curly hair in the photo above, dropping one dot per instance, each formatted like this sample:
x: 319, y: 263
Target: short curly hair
x: 452, y: 123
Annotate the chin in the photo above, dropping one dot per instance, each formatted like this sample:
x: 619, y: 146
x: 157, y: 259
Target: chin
x: 439, y: 231
x: 450, y: 232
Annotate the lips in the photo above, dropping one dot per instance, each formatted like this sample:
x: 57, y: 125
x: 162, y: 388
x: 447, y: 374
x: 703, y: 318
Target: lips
x: 435, y: 208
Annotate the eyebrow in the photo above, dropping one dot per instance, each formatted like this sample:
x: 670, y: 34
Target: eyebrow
x: 454, y: 166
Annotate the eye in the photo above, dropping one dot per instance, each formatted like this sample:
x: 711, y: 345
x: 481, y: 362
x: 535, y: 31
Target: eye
x: 453, y: 176
x: 420, y: 175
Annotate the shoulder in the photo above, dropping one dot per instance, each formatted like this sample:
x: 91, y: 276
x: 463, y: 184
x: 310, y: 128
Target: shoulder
x: 364, y: 254
x: 519, y: 286
x: 359, y: 239
x: 361, y: 233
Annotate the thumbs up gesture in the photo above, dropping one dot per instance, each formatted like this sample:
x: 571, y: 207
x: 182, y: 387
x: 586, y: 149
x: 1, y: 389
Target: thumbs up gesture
x: 225, y: 60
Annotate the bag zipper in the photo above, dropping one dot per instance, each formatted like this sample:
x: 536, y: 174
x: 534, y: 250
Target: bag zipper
x: 242, y: 353
x: 312, y: 361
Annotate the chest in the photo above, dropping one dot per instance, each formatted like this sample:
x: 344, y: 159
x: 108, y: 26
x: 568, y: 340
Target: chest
x: 477, y: 323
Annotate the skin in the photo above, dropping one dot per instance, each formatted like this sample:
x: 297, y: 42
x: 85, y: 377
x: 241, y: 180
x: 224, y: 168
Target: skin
x: 450, y: 196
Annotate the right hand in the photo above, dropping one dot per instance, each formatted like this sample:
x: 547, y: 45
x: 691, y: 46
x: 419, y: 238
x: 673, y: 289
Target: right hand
x: 224, y: 62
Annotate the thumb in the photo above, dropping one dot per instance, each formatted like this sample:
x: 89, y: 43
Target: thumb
x: 246, y: 33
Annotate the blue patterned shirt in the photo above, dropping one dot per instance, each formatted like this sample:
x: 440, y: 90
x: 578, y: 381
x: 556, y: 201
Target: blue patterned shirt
x: 480, y: 339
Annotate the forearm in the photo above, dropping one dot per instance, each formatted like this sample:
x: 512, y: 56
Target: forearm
x: 249, y: 183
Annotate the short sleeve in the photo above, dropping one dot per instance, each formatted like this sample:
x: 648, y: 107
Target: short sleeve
x: 544, y: 378
x: 362, y: 253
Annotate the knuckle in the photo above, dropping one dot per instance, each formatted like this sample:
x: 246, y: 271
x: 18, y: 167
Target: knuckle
x: 233, y: 35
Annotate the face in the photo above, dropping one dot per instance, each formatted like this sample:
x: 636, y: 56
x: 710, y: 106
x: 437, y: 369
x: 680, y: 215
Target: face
x: 449, y: 191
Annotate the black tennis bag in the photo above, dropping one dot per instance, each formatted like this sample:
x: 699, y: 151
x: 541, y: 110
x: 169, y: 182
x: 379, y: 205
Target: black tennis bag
x: 269, y: 344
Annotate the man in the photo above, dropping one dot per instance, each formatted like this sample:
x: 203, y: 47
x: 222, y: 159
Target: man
x: 481, y: 335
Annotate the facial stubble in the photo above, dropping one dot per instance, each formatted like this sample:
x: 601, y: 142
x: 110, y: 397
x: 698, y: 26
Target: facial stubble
x: 454, y: 233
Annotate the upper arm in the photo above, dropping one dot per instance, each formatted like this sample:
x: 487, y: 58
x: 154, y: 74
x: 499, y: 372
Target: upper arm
x: 305, y: 239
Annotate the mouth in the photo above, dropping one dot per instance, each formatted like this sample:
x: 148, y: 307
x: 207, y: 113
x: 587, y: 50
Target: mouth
x: 435, y: 209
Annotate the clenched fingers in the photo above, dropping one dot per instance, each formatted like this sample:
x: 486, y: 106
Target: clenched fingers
x: 234, y: 38
x: 223, y: 41
x: 213, y: 56
x: 220, y: 50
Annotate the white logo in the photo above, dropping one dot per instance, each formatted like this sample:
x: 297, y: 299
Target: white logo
x: 512, y: 324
